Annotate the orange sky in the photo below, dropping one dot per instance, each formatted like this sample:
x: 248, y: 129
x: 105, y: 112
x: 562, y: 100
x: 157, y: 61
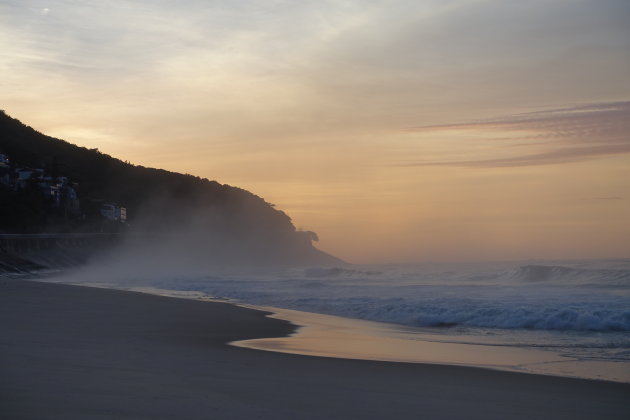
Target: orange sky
x: 397, y: 130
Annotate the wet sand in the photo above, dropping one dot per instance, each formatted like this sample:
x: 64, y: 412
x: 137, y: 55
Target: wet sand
x: 70, y: 352
x: 333, y: 336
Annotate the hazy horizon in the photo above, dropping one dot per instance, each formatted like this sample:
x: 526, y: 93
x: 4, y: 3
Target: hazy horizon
x: 399, y: 131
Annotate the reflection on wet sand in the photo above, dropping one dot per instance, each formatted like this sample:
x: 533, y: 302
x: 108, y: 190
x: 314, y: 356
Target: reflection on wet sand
x: 331, y: 336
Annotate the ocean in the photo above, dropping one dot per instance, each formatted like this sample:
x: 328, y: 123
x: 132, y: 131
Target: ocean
x: 579, y: 310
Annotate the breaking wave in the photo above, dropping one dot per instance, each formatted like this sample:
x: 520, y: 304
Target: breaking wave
x: 545, y: 273
x: 578, y: 316
x: 573, y: 296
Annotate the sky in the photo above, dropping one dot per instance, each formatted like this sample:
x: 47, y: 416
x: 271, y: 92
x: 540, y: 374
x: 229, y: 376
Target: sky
x: 398, y: 130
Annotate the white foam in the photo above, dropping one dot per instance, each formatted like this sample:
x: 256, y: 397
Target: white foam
x: 578, y: 299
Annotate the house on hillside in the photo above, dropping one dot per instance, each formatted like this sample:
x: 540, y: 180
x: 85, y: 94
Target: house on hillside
x: 121, y: 212
x: 60, y: 193
x: 114, y: 213
x: 108, y: 211
x: 5, y: 176
x: 26, y: 175
x: 70, y: 198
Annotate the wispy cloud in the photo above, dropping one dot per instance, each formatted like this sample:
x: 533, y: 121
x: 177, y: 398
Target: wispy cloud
x: 553, y: 157
x: 578, y: 121
x: 563, y: 135
x: 614, y: 198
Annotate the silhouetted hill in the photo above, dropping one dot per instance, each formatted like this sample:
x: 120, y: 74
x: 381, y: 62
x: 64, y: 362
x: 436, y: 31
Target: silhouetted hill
x: 156, y: 200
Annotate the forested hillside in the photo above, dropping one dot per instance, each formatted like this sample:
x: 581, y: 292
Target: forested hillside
x: 155, y: 199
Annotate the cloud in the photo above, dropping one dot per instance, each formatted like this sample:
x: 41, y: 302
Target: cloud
x: 553, y: 157
x: 563, y: 135
x: 574, y: 121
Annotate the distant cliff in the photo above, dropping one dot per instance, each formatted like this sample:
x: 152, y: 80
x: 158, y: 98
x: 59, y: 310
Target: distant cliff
x: 225, y: 222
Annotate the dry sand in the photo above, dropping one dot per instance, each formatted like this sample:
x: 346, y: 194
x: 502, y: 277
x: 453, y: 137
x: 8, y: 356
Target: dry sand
x: 69, y: 352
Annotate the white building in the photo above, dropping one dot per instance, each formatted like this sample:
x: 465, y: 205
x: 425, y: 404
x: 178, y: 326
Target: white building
x: 122, y: 214
x: 114, y: 213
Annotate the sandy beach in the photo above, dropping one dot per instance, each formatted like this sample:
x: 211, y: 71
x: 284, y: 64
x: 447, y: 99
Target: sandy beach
x: 70, y: 352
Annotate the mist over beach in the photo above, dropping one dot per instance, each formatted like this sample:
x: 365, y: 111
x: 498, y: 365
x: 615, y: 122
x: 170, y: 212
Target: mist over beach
x: 315, y: 209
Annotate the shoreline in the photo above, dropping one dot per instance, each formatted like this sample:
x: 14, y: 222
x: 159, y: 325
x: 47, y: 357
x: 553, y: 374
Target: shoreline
x: 323, y: 335
x: 347, y: 338
x: 82, y: 352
